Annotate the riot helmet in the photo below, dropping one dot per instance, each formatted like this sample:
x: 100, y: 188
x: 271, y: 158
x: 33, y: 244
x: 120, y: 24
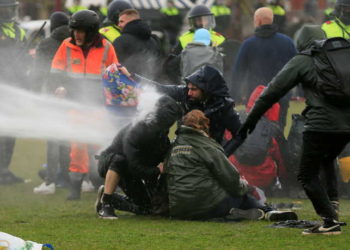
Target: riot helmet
x: 86, y: 20
x: 8, y: 10
x: 116, y: 7
x: 200, y: 16
x: 342, y: 10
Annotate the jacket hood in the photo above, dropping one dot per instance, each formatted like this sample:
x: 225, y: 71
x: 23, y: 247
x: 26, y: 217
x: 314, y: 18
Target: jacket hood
x: 61, y: 33
x: 306, y: 35
x: 273, y: 113
x: 266, y: 31
x: 138, y: 28
x: 210, y: 80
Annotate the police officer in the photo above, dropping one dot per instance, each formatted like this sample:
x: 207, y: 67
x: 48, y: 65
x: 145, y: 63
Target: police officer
x: 222, y: 15
x: 279, y: 14
x: 199, y: 16
x: 340, y: 25
x: 12, y: 40
x: 76, y: 7
x: 111, y: 31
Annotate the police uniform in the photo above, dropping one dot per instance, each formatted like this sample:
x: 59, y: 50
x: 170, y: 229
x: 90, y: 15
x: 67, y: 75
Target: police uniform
x: 335, y: 28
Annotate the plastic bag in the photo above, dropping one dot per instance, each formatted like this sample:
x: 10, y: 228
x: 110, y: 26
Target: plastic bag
x: 10, y: 242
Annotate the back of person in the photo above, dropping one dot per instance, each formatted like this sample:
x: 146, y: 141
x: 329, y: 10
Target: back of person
x: 259, y: 158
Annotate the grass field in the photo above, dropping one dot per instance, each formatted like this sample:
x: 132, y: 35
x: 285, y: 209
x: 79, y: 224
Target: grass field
x: 74, y: 225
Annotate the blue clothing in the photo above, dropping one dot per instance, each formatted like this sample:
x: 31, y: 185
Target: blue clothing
x: 259, y: 59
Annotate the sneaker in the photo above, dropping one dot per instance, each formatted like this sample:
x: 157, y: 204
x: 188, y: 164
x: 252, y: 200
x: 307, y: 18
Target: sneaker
x: 98, y: 202
x: 45, y: 189
x: 107, y: 212
x: 245, y: 214
x: 276, y: 215
x: 87, y: 186
x: 323, y: 229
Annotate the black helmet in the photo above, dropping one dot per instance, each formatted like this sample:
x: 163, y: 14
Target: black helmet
x: 342, y: 11
x: 115, y: 7
x: 8, y: 9
x: 200, y: 16
x: 86, y: 20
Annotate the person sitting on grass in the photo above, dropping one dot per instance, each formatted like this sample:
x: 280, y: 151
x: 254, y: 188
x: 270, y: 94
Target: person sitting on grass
x: 203, y: 184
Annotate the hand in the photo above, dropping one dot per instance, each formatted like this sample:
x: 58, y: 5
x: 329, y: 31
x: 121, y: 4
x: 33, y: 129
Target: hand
x: 60, y: 92
x: 123, y: 70
x: 247, y: 128
x: 161, y: 167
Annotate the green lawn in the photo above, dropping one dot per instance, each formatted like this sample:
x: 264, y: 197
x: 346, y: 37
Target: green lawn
x: 74, y: 225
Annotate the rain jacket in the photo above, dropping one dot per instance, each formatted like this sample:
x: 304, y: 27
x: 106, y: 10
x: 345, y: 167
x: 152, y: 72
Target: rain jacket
x: 320, y: 115
x: 199, y: 176
x: 218, y: 107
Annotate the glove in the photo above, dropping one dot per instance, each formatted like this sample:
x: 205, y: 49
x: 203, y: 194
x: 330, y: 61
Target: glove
x: 247, y: 128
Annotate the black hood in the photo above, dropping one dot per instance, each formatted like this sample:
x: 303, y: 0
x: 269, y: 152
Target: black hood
x: 138, y: 28
x: 265, y: 31
x: 210, y: 81
x: 61, y: 33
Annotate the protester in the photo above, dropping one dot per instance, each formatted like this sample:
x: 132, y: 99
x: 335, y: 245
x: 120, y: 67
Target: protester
x: 77, y: 69
x: 216, y: 189
x: 339, y: 26
x: 327, y: 128
x: 260, y: 58
x: 206, y: 90
x: 110, y: 29
x: 12, y: 51
x: 132, y: 160
x: 138, y: 50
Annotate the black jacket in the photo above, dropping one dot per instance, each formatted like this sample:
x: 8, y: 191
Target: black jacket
x: 141, y: 146
x: 137, y: 49
x: 45, y: 52
x: 218, y: 106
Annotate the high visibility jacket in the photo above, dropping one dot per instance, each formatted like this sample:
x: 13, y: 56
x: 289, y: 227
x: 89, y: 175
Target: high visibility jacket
x: 173, y: 11
x: 335, y: 28
x: 220, y: 10
x: 76, y: 8
x: 216, y: 38
x: 277, y: 10
x: 12, y: 31
x: 111, y: 32
x: 104, y: 11
x: 70, y: 59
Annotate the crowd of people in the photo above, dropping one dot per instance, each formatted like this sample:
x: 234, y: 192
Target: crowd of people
x: 220, y: 159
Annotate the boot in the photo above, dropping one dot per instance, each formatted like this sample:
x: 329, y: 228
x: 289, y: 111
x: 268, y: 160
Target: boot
x: 76, y: 180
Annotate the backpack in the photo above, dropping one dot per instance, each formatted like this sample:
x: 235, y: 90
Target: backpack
x: 255, y: 148
x: 197, y: 54
x: 332, y: 59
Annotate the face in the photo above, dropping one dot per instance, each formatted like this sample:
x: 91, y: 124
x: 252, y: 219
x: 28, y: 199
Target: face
x: 194, y: 93
x: 124, y: 20
x: 79, y: 36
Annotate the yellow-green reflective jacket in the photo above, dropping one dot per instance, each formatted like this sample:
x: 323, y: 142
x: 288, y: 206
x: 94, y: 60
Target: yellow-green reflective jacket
x: 11, y: 30
x: 170, y: 11
x: 111, y: 32
x: 104, y: 11
x: 216, y: 38
x: 277, y: 10
x: 219, y: 10
x: 335, y: 28
x: 76, y: 8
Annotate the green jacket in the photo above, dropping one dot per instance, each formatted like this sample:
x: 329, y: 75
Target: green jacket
x: 320, y: 115
x: 199, y: 176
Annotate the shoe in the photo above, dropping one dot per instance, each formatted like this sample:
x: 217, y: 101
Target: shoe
x: 45, y: 189
x: 9, y: 178
x: 107, y: 212
x: 276, y: 215
x: 323, y: 229
x: 87, y: 186
x: 246, y: 214
x: 98, y: 202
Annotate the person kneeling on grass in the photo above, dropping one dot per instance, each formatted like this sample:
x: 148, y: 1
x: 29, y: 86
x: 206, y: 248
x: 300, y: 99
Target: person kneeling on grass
x: 132, y: 159
x: 203, y: 184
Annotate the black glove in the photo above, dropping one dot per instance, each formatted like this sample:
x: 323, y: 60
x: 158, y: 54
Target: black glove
x: 247, y: 128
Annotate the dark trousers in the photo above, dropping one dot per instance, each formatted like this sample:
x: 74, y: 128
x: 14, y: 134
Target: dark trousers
x: 319, y: 153
x: 57, y: 159
x: 7, y: 145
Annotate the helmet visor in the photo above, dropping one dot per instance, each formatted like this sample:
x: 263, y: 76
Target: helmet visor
x: 8, y: 13
x: 206, y: 22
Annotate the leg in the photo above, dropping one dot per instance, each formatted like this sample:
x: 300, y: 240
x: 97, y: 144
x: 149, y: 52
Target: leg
x: 7, y: 145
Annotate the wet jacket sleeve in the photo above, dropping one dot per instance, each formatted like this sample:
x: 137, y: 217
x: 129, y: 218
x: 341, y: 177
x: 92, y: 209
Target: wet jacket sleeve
x: 111, y: 56
x: 58, y: 69
x: 295, y: 71
x: 232, y: 123
x: 225, y: 173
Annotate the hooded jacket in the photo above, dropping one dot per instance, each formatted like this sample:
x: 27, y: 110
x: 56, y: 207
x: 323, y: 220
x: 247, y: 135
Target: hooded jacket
x: 139, y: 148
x: 199, y: 176
x: 320, y: 115
x: 218, y: 106
x: 137, y: 49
